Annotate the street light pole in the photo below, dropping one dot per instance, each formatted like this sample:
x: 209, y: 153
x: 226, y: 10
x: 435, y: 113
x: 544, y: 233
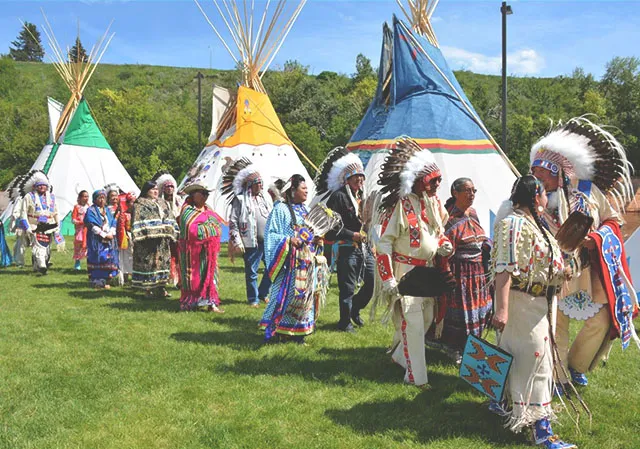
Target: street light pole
x: 199, y: 76
x: 506, y: 11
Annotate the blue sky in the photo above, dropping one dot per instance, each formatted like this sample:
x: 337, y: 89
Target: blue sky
x: 546, y: 38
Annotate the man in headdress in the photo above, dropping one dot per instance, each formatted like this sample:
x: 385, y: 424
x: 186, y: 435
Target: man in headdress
x: 584, y: 168
x: 411, y: 235
x: 39, y: 217
x: 340, y: 183
x: 167, y: 186
x: 250, y: 208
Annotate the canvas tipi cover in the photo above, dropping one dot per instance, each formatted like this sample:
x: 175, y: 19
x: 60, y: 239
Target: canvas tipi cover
x: 256, y: 134
x: 81, y: 159
x: 414, y: 99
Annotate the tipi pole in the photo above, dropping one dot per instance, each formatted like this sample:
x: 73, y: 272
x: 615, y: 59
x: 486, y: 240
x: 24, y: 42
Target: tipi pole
x: 466, y: 106
x: 275, y: 128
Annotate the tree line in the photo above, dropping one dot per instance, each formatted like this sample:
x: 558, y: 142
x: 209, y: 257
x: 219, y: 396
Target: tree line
x: 148, y: 113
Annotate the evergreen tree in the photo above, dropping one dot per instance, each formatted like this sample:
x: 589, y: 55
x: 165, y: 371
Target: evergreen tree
x: 28, y: 46
x: 77, y: 52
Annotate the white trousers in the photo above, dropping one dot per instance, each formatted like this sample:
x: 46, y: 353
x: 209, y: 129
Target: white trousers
x: 412, y: 318
x: 19, y: 248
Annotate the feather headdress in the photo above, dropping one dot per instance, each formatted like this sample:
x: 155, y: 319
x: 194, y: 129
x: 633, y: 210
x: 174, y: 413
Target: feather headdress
x: 582, y: 150
x: 404, y: 164
x: 162, y: 178
x: 13, y: 188
x: 338, y: 166
x: 241, y: 174
x: 31, y: 179
x: 111, y: 187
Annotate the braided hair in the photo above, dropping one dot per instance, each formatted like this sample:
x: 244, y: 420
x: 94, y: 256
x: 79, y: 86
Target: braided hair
x: 524, y: 195
x: 295, y: 180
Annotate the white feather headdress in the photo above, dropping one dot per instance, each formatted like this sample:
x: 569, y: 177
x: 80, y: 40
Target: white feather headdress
x: 31, y: 179
x: 337, y: 167
x: 111, y: 187
x: 237, y: 176
x: 163, y: 178
x: 583, y: 150
x: 405, y: 163
x: 14, y: 187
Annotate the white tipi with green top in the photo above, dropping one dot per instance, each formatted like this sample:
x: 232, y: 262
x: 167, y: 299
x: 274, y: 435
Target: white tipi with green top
x: 77, y: 156
x: 81, y: 159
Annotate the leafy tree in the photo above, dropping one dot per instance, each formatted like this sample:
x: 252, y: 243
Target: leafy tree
x: 595, y: 103
x: 364, y: 69
x: 78, y: 53
x: 28, y: 45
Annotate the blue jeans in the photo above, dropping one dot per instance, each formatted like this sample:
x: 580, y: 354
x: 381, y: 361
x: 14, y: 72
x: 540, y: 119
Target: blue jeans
x: 252, y: 258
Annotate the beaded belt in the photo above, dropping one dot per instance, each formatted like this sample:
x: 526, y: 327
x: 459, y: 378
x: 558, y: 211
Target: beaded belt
x: 535, y: 289
x: 408, y: 260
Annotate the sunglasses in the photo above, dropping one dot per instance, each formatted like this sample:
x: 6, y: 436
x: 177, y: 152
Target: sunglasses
x: 437, y: 180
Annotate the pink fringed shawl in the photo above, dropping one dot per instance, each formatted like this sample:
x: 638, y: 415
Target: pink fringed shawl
x: 198, y: 248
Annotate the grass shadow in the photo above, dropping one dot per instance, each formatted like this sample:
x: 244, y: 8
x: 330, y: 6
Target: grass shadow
x: 342, y: 366
x: 18, y: 272
x: 243, y: 333
x: 97, y: 294
x: 433, y: 415
x: 65, y: 285
x: 141, y: 304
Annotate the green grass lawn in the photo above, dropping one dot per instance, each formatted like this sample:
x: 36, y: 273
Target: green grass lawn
x: 86, y: 369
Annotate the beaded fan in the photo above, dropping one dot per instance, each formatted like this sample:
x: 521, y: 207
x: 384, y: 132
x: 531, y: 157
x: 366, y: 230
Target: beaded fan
x: 321, y: 220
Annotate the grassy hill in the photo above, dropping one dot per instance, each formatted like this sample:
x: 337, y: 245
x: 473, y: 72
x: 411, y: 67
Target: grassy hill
x: 149, y: 113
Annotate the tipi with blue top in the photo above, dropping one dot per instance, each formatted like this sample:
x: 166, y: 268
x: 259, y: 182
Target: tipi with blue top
x: 419, y: 96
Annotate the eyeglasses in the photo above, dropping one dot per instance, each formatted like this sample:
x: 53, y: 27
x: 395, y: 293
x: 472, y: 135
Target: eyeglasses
x: 437, y: 180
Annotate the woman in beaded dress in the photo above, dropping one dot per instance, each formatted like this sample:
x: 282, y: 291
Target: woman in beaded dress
x: 526, y: 260
x: 289, y: 247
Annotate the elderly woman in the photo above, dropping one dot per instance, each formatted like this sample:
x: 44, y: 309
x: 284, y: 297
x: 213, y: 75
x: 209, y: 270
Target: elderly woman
x: 102, y: 249
x: 198, y: 248
x: 466, y: 308
x: 80, y: 238
x: 289, y: 247
x: 153, y: 228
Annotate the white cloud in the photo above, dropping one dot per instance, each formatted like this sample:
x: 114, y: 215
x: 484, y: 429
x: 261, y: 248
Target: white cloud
x: 522, y: 62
